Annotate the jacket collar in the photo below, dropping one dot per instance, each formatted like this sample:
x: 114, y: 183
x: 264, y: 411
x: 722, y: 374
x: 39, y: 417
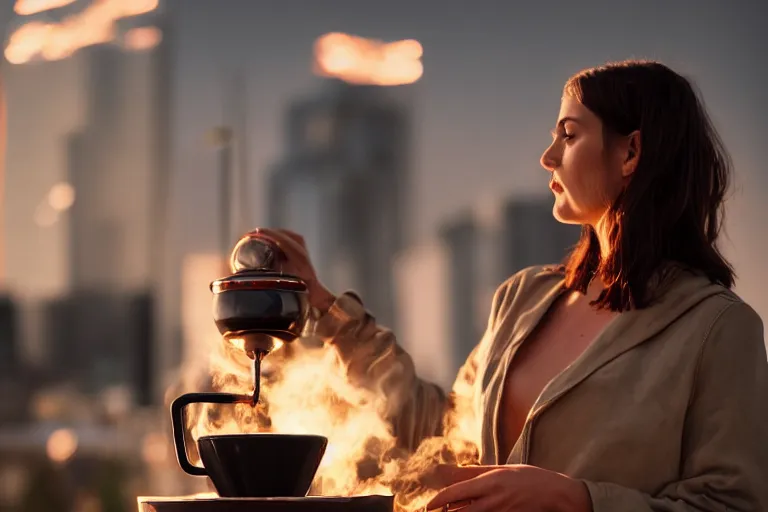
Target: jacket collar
x: 683, y: 291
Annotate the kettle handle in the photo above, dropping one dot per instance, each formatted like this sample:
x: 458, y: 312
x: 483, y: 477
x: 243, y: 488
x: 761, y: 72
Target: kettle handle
x: 178, y: 420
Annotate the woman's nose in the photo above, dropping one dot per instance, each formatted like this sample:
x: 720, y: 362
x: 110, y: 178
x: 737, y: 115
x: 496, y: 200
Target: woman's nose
x: 548, y: 158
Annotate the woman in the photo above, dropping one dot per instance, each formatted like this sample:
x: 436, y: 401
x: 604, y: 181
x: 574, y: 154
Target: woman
x: 629, y: 379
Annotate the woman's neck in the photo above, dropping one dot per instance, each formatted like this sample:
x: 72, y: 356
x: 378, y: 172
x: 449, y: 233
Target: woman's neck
x: 603, y: 238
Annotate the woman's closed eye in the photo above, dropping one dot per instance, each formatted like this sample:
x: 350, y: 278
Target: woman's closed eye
x: 562, y: 134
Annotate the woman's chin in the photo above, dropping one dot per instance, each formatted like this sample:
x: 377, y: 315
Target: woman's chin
x: 562, y: 212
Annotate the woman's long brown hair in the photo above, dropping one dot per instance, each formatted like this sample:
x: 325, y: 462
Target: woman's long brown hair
x: 671, y: 211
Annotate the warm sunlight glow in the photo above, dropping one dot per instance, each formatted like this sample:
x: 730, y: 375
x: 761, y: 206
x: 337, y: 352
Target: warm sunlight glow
x: 358, y: 60
x: 306, y: 390
x: 61, y: 445
x: 61, y: 196
x: 142, y: 38
x: 93, y: 25
x: 27, y: 7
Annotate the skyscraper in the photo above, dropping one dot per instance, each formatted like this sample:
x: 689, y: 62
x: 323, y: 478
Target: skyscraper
x: 94, y: 269
x: 460, y: 237
x: 118, y: 164
x: 341, y: 184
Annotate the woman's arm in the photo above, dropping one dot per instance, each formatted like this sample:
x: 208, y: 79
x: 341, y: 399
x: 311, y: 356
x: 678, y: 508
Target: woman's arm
x: 375, y: 360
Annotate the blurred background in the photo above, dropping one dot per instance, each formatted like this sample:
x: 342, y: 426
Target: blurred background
x: 401, y: 138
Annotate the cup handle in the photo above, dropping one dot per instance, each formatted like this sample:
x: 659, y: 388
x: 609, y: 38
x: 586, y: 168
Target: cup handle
x: 178, y: 420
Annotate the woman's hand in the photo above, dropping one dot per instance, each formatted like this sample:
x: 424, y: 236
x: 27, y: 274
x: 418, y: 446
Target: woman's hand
x: 506, y: 488
x: 297, y: 263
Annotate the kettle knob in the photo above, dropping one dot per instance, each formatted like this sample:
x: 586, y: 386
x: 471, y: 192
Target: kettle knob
x: 253, y: 252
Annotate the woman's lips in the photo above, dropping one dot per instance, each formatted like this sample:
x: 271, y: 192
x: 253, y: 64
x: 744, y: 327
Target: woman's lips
x: 555, y: 186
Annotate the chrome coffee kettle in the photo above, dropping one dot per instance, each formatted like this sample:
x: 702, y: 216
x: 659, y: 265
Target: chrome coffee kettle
x: 257, y: 309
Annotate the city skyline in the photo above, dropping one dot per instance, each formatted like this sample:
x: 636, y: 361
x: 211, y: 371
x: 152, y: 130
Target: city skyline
x: 480, y: 123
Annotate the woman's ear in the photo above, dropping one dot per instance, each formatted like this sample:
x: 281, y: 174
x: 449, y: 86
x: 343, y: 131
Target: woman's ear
x: 632, y: 156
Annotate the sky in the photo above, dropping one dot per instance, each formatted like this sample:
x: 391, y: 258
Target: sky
x: 493, y: 74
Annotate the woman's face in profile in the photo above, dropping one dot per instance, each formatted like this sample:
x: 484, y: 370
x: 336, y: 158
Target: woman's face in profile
x: 585, y: 178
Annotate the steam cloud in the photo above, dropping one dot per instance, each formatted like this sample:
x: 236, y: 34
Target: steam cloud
x: 305, y: 391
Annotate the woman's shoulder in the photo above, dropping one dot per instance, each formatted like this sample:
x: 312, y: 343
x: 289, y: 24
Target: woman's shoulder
x: 718, y: 301
x: 529, y: 286
x: 712, y: 314
x: 734, y: 319
x: 535, y: 276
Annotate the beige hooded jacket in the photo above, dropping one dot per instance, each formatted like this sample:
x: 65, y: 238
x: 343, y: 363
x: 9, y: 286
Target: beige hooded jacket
x: 667, y: 410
